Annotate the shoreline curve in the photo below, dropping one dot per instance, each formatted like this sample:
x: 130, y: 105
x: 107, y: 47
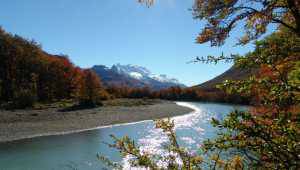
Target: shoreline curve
x: 17, y: 138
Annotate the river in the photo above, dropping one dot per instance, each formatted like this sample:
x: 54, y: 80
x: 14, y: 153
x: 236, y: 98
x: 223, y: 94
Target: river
x: 79, y: 150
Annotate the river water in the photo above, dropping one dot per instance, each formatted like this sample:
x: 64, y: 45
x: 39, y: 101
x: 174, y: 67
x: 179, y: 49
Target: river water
x: 79, y: 150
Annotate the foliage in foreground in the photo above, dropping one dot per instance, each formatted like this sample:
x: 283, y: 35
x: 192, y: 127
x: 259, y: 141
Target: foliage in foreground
x: 267, y: 136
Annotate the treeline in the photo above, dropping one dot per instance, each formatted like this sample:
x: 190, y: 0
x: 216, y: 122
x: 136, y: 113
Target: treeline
x: 29, y: 75
x: 177, y: 93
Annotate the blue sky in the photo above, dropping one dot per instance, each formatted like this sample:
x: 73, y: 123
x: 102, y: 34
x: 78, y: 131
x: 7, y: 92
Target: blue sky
x: 161, y: 38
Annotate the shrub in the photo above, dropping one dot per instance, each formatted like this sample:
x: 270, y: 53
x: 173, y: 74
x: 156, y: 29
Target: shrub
x: 24, y: 98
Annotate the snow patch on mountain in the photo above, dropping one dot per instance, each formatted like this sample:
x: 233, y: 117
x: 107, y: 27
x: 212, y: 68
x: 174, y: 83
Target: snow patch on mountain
x: 164, y: 78
x: 129, y: 68
x: 136, y: 75
x: 142, y: 73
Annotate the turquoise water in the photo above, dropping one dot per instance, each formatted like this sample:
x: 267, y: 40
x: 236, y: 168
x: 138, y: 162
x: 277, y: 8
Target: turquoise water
x: 79, y: 150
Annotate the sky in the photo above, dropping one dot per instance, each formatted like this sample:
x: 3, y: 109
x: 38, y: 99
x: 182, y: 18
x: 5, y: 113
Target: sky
x: 105, y: 32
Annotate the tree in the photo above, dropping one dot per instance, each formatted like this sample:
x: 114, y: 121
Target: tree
x: 91, y: 89
x: 267, y: 135
x: 264, y: 137
x: 222, y: 16
x: 26, y: 93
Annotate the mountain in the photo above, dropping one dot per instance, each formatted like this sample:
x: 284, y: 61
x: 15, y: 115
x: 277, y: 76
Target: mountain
x: 234, y: 73
x: 134, y: 76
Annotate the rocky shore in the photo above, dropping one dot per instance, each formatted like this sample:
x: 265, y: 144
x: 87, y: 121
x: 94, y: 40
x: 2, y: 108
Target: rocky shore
x: 20, y: 124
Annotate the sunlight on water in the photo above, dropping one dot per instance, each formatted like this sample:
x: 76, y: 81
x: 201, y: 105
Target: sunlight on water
x: 153, y: 142
x: 191, y: 129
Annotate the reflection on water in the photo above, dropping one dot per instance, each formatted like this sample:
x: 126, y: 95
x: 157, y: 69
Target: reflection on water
x: 79, y: 150
x: 191, y: 129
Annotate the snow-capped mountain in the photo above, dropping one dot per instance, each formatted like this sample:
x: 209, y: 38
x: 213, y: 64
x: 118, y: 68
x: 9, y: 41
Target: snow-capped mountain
x: 164, y: 78
x: 131, y: 69
x: 134, y: 76
x: 142, y: 73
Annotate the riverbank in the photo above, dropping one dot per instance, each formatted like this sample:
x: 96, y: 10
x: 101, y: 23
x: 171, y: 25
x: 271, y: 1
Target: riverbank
x: 20, y: 124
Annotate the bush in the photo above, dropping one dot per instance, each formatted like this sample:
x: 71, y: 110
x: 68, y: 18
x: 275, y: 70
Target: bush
x: 104, y: 95
x: 90, y: 103
x: 24, y: 99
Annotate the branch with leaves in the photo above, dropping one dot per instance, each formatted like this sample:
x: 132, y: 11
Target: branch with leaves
x: 222, y: 17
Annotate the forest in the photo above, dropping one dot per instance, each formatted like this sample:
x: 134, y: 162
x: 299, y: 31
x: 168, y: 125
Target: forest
x: 29, y: 75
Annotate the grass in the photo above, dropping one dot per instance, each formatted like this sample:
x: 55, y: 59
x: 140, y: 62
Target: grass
x: 130, y: 102
x: 57, y: 104
x: 69, y: 105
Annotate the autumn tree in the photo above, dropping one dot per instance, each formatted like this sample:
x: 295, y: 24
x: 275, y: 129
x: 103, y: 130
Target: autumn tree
x: 29, y: 75
x: 222, y: 17
x: 18, y: 67
x: 266, y: 136
x: 92, y: 89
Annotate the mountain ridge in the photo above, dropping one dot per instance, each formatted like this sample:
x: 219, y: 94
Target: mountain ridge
x: 134, y: 76
x: 233, y: 73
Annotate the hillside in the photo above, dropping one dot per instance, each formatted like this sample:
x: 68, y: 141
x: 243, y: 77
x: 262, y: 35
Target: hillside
x: 234, y: 73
